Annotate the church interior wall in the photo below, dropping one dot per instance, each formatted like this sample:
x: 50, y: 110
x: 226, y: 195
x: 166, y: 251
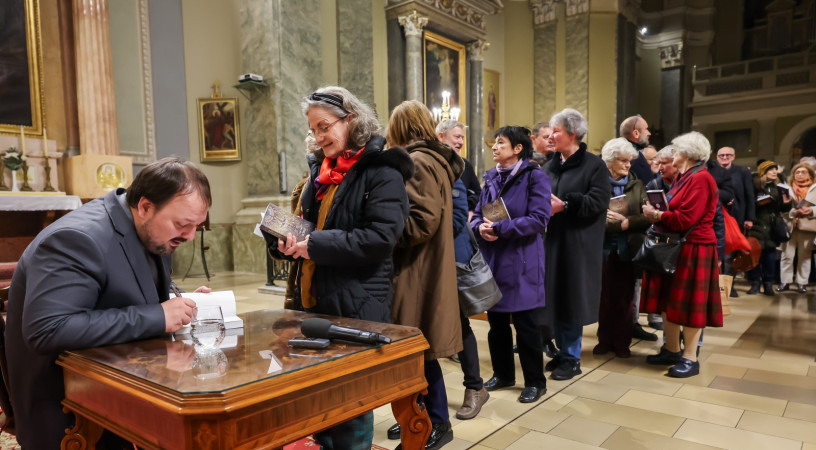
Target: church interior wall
x: 518, y: 66
x: 602, y: 115
x: 649, y: 72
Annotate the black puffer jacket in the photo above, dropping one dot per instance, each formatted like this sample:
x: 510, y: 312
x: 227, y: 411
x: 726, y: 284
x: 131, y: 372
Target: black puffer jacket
x: 353, y: 252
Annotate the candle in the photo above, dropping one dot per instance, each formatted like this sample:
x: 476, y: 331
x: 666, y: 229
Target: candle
x: 445, y: 97
x: 45, y: 143
x: 22, y: 141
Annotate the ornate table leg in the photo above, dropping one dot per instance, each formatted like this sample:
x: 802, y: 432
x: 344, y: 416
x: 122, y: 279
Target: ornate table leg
x: 415, y: 424
x: 83, y: 436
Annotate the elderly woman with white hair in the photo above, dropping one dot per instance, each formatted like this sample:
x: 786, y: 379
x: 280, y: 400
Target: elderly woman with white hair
x: 625, y: 225
x: 574, y: 244
x: 691, y: 297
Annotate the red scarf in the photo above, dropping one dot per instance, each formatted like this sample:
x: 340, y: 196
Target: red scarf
x: 334, y: 170
x: 800, y: 189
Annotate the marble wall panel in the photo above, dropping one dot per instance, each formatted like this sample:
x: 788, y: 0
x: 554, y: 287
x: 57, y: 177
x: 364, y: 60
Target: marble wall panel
x: 248, y: 249
x: 356, y: 48
x: 219, y: 254
x: 577, y: 62
x: 544, y: 67
x: 281, y: 41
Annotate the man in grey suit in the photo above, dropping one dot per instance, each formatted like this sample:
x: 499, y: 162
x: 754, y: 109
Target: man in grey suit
x: 98, y: 276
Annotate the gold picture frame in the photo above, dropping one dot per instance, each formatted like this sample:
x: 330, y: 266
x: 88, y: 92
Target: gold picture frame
x: 444, y: 70
x: 218, y: 129
x: 22, y: 101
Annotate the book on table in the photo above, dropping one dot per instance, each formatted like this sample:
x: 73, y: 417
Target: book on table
x: 279, y: 222
x: 224, y: 299
x: 495, y: 211
x: 619, y: 205
x: 657, y: 198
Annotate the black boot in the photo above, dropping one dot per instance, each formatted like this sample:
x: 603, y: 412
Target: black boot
x: 767, y: 289
x: 754, y: 288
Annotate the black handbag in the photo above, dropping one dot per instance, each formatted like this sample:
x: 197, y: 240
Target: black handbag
x: 660, y: 251
x: 779, y: 230
x: 478, y: 290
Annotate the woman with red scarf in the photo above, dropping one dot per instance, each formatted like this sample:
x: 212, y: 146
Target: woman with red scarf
x: 357, y: 200
x: 691, y: 297
x: 802, y: 222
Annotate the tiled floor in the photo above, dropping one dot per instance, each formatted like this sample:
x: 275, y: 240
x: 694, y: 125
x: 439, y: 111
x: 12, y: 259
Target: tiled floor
x: 756, y: 388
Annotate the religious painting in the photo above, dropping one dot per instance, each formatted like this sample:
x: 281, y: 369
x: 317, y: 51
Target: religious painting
x: 444, y: 62
x: 492, y: 104
x: 218, y: 129
x: 20, y: 65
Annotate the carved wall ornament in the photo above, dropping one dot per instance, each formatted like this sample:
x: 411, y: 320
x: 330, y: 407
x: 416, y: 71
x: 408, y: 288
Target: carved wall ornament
x: 471, y: 12
x: 413, y: 24
x: 671, y: 55
x: 543, y: 11
x: 476, y: 50
x: 577, y: 7
x: 629, y: 9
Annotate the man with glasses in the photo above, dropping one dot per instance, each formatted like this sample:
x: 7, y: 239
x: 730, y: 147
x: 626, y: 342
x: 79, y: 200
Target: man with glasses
x: 743, y: 207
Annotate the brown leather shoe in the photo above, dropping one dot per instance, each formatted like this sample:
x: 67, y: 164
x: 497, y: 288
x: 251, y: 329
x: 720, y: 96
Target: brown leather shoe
x: 473, y: 403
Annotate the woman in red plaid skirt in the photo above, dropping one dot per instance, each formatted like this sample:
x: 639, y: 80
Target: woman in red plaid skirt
x: 691, y: 297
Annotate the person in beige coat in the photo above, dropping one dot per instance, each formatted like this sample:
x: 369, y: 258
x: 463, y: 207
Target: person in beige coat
x: 425, y: 292
x: 802, y: 223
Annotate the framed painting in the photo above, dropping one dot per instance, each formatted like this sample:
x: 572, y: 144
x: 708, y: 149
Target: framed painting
x: 444, y: 62
x: 492, y: 104
x: 219, y: 133
x: 20, y: 65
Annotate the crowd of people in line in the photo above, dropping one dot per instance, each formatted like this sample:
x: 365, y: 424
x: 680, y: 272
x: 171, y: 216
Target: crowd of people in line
x: 391, y: 224
x: 394, y: 213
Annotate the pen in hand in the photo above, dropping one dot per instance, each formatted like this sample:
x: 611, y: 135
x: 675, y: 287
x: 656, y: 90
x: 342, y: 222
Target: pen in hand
x: 175, y: 289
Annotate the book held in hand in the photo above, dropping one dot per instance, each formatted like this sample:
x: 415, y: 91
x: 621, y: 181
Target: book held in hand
x: 279, y: 222
x: 657, y: 198
x: 784, y: 189
x: 619, y: 205
x: 495, y: 211
x: 763, y: 199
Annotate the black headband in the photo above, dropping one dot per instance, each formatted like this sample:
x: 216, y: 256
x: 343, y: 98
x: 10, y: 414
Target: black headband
x: 328, y: 98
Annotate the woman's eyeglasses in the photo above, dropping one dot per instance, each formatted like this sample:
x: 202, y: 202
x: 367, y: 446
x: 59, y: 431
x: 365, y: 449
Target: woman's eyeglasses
x: 323, y: 129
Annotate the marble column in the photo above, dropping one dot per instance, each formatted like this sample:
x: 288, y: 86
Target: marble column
x: 355, y: 43
x: 94, y: 78
x: 280, y: 40
x: 545, y: 25
x: 413, y: 25
x: 475, y: 115
x: 68, y: 62
x: 577, y: 55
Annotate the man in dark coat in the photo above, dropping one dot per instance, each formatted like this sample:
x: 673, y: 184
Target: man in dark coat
x: 98, y: 276
x: 452, y: 133
x: 636, y: 130
x: 742, y: 207
x: 574, y: 243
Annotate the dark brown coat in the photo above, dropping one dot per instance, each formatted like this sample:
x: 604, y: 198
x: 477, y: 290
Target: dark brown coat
x: 425, y: 292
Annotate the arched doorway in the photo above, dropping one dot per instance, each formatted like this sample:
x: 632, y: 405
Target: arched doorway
x: 806, y: 144
x: 791, y: 145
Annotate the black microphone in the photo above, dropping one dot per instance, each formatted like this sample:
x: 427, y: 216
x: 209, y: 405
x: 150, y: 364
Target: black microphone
x: 325, y: 329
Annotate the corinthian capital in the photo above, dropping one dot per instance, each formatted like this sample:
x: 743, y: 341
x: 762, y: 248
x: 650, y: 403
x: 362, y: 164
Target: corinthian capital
x: 476, y: 50
x: 413, y: 24
x: 543, y: 11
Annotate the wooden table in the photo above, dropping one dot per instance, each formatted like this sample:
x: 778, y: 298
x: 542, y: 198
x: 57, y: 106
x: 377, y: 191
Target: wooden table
x: 259, y: 393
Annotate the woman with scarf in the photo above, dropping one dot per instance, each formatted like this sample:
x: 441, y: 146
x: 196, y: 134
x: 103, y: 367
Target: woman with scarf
x: 514, y: 250
x: 357, y: 200
x: 769, y: 204
x: 801, y: 220
x: 625, y: 224
x: 690, y: 298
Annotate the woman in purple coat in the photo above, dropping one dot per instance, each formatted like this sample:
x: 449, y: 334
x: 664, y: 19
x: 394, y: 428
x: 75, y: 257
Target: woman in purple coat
x: 514, y: 249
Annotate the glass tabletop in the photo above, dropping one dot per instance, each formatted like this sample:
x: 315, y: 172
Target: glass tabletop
x: 255, y: 352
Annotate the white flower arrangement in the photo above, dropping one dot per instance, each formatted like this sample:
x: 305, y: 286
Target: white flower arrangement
x: 13, y: 159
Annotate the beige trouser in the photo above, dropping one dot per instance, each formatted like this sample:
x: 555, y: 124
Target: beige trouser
x: 802, y: 242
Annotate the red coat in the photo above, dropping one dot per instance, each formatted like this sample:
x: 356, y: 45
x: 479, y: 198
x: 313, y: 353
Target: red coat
x: 694, y: 203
